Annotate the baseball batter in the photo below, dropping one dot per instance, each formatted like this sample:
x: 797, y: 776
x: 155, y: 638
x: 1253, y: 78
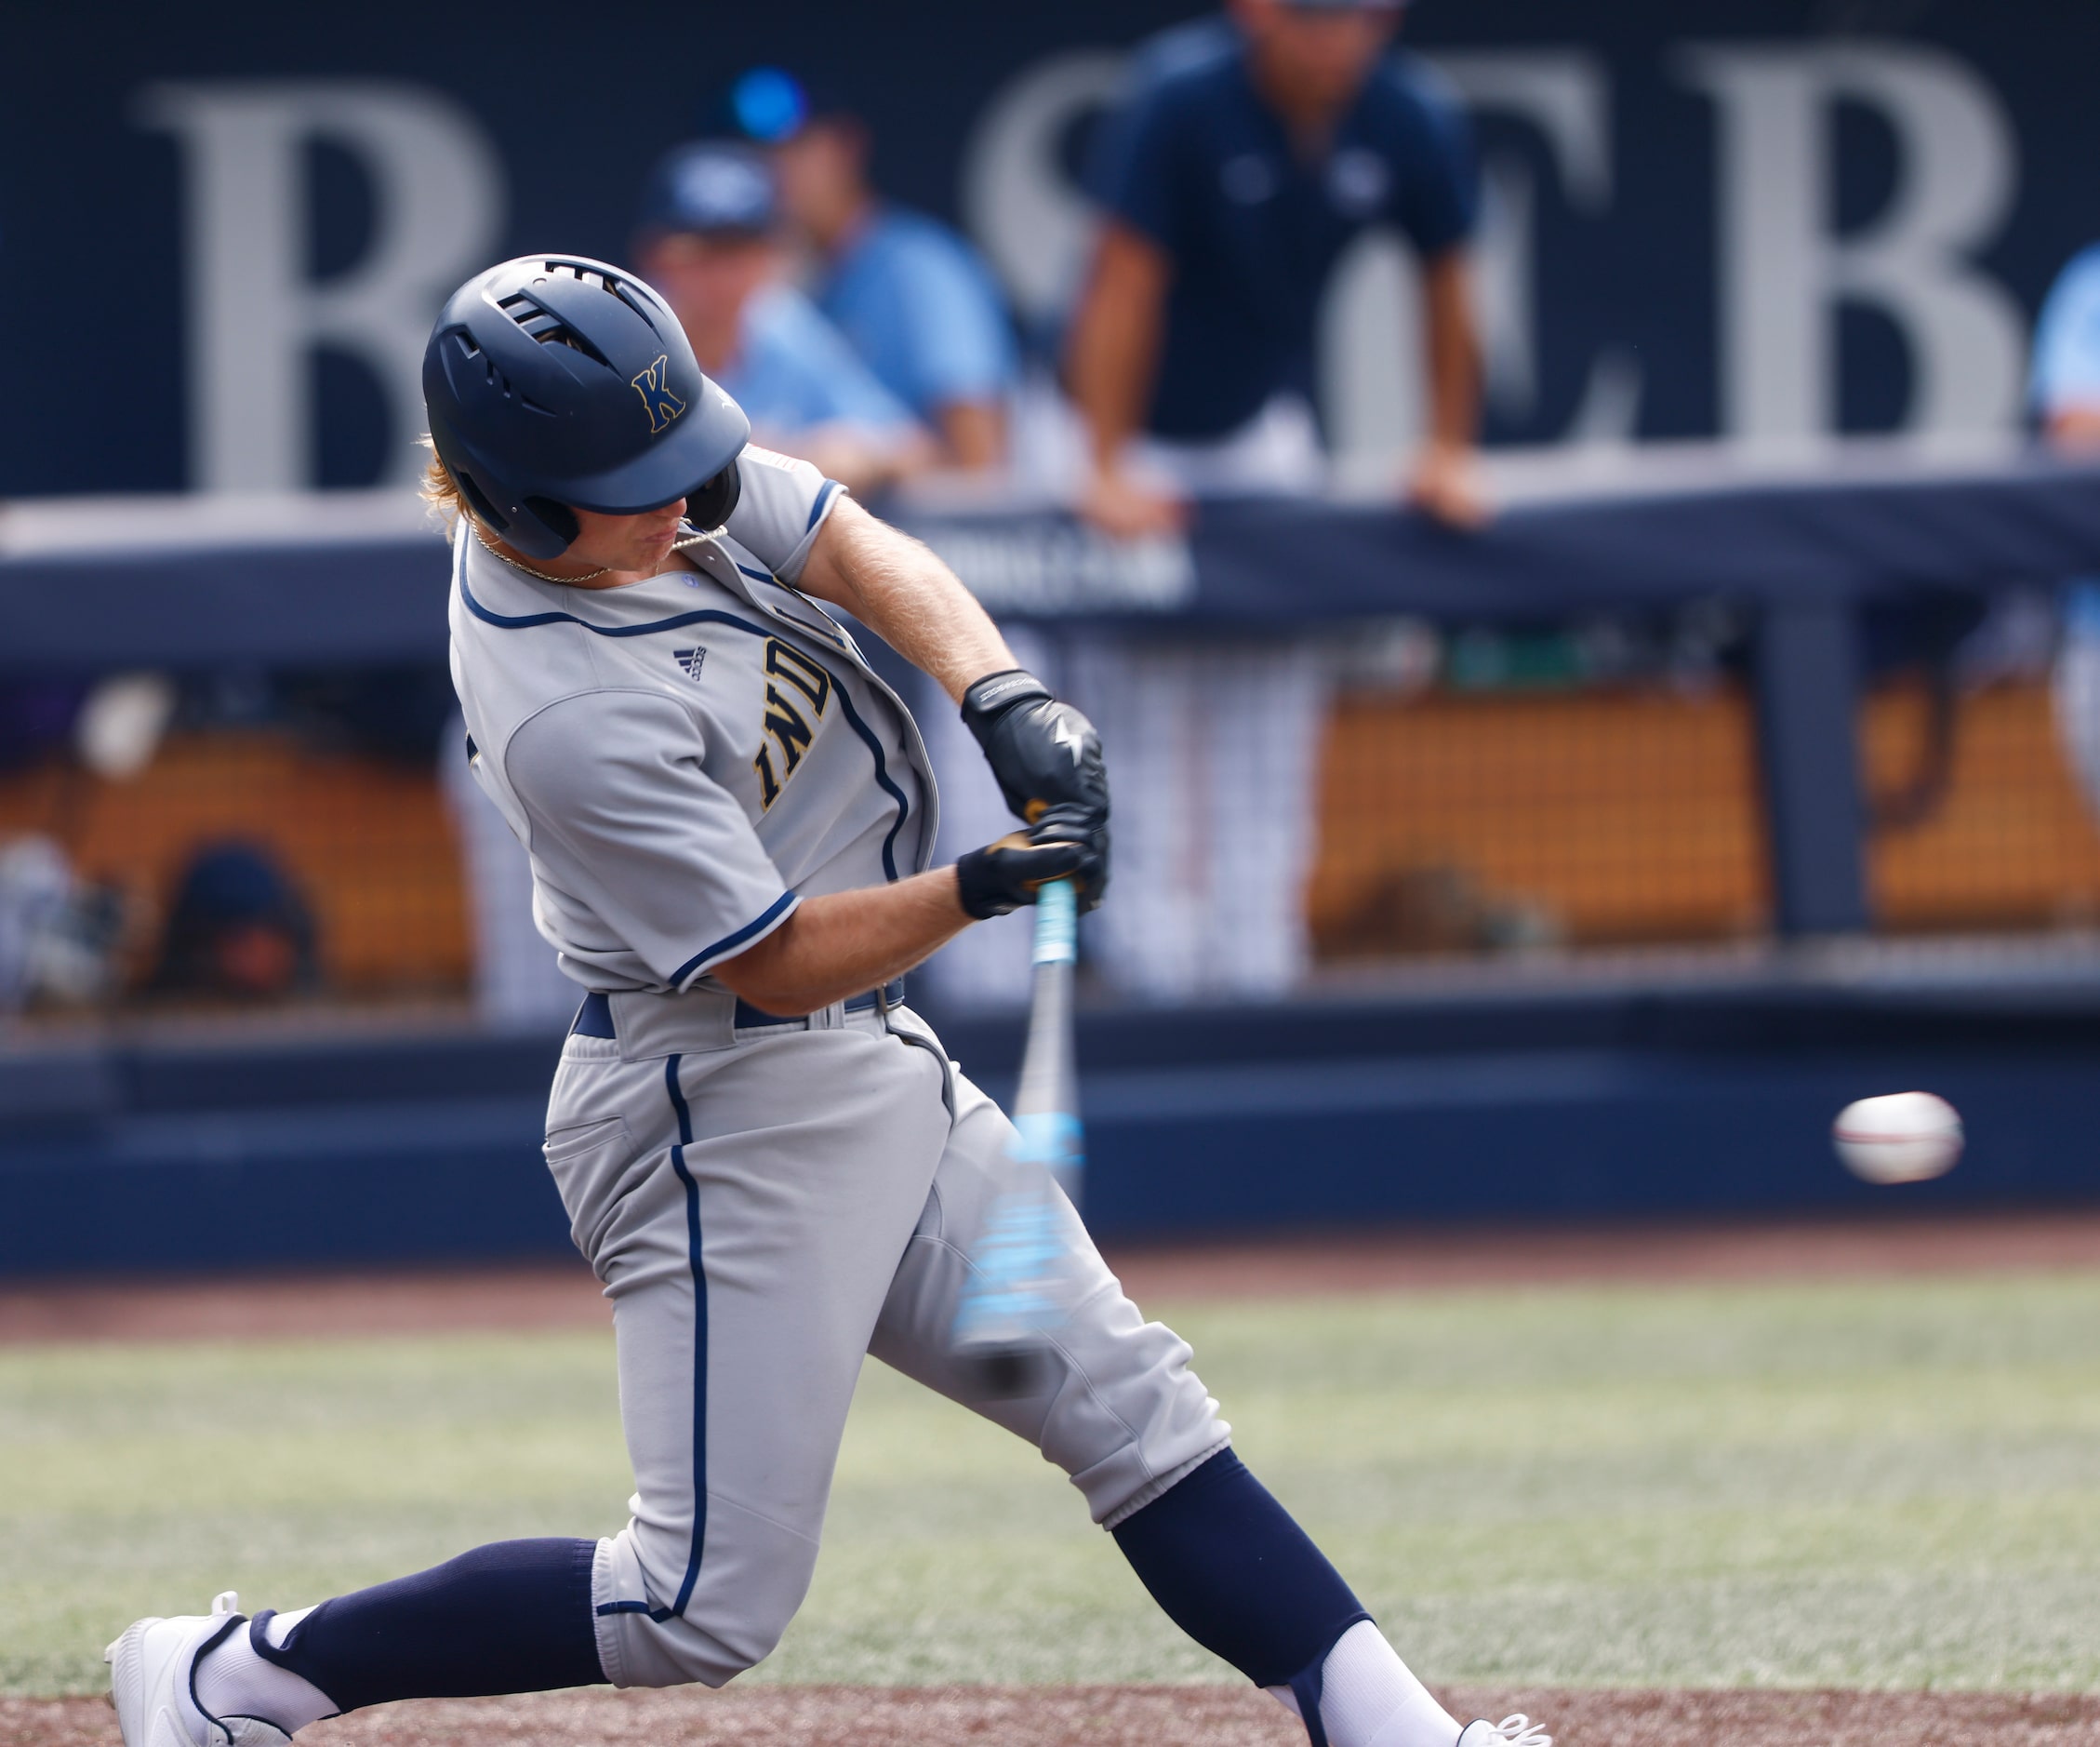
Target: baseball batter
x: 769, y: 1160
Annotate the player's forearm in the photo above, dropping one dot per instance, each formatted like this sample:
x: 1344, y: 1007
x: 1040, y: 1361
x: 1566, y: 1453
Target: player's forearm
x: 903, y: 592
x: 1107, y: 354
x: 1452, y: 342
x: 1115, y: 344
x: 846, y: 943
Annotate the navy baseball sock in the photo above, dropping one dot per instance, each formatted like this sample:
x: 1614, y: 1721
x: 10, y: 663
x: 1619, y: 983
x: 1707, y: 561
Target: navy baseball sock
x: 1234, y: 1573
x: 510, y: 1617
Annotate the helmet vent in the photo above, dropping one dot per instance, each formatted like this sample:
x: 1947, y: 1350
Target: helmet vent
x: 612, y: 283
x: 582, y: 275
x: 625, y: 293
x: 477, y: 501
x: 541, y: 324
x: 509, y: 390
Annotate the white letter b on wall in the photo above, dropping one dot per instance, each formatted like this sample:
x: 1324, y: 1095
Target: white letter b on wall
x: 255, y: 317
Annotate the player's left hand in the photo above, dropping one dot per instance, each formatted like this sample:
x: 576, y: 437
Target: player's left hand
x: 1445, y: 483
x: 1045, y: 753
x: 1009, y: 874
x: 1067, y: 844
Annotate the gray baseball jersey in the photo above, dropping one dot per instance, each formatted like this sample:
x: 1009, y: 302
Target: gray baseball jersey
x: 684, y: 758
x: 766, y: 1201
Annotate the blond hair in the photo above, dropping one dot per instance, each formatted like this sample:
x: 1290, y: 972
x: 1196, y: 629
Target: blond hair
x: 441, y: 491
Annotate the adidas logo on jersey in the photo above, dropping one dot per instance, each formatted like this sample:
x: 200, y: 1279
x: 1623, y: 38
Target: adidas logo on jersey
x: 689, y: 660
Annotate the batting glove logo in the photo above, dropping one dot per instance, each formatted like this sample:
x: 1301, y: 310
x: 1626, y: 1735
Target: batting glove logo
x: 663, y: 406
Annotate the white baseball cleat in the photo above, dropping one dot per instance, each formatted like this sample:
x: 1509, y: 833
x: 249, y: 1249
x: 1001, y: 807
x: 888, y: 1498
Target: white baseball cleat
x: 152, y: 1673
x: 1512, y: 1732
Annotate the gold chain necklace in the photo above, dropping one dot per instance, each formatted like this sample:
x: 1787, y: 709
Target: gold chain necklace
x: 591, y: 576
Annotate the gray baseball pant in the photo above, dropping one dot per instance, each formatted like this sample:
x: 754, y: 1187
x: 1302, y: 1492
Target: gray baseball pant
x: 765, y: 1205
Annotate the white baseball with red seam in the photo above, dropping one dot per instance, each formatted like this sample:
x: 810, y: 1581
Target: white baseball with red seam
x: 1899, y: 1137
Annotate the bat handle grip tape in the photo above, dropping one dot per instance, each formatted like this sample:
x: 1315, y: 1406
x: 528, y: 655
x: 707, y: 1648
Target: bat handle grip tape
x: 1056, y: 925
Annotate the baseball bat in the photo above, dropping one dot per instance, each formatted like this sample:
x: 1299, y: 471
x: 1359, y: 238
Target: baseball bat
x: 1046, y: 1105
x: 1011, y: 1300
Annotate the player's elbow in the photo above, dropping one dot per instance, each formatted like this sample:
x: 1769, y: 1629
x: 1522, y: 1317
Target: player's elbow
x: 770, y: 975
x: 1129, y: 269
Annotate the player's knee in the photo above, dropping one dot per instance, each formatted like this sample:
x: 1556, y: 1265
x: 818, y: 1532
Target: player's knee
x: 737, y: 1623
x: 710, y: 1624
x: 747, y: 1636
x: 707, y: 1646
x: 1142, y: 1420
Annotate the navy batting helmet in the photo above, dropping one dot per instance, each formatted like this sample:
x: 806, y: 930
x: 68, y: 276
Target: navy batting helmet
x: 554, y: 383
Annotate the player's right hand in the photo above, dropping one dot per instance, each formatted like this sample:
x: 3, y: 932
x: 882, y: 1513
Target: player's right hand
x: 1123, y: 508
x: 1445, y: 480
x: 1010, y: 873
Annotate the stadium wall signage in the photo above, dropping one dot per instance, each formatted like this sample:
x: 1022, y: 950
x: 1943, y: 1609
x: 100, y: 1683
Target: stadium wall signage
x: 1726, y: 220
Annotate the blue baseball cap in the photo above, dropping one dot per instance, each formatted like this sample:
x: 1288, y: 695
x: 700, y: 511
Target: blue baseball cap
x: 710, y: 187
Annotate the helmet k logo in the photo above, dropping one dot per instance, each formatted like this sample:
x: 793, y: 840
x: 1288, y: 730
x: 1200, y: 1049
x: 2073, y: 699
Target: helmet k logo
x: 657, y: 396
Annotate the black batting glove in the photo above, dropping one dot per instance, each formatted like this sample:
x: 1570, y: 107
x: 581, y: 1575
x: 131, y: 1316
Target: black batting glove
x: 1006, y: 876
x: 1090, y: 830
x: 1045, y: 753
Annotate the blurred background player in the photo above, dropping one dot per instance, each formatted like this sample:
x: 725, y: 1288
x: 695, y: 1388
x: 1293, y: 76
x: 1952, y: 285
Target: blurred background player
x: 237, y: 929
x: 1247, y: 155
x: 2066, y: 397
x: 916, y: 301
x: 709, y: 241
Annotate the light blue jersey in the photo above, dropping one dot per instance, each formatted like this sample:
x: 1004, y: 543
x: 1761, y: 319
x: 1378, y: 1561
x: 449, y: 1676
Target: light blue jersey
x: 922, y: 311
x: 794, y: 372
x: 2066, y: 339
x: 2065, y: 374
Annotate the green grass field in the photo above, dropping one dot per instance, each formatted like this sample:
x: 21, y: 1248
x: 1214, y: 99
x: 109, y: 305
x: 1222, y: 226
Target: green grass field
x: 1886, y: 1484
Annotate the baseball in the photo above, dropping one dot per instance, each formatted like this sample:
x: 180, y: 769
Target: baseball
x: 1899, y: 1137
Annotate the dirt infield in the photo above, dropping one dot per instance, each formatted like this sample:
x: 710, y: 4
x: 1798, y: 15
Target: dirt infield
x: 1126, y: 1716
x: 564, y: 1296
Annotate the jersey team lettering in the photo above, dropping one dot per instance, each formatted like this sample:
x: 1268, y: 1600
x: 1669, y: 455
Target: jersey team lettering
x: 784, y: 723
